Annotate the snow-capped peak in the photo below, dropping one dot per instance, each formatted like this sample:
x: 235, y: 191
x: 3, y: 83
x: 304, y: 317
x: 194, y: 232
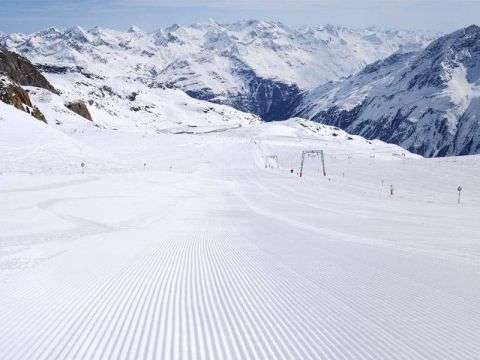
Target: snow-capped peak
x: 427, y: 101
x: 77, y: 33
x: 49, y: 33
x: 135, y: 30
x: 256, y: 66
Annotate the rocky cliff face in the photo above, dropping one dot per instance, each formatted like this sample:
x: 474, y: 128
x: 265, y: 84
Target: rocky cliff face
x: 22, y: 71
x: 80, y: 108
x: 15, y: 72
x: 15, y: 95
x: 426, y: 101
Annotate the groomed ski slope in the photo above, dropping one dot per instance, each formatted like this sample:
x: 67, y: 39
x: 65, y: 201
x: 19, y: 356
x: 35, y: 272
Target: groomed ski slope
x: 206, y: 254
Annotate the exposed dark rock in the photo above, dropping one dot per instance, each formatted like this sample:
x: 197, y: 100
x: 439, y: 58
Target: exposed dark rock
x: 36, y: 113
x: 269, y: 99
x: 80, y: 108
x: 16, y: 96
x: 141, y: 108
x: 17, y: 72
x: 132, y: 96
x: 53, y: 69
x: 21, y: 71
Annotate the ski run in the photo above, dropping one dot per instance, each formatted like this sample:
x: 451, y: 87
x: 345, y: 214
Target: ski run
x: 203, y: 244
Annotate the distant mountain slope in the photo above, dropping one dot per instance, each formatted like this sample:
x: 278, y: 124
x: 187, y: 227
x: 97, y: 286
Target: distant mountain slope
x: 131, y: 106
x: 427, y: 101
x: 255, y: 66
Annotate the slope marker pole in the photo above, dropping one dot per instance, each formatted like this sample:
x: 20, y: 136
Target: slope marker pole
x: 301, y: 164
x: 323, y: 163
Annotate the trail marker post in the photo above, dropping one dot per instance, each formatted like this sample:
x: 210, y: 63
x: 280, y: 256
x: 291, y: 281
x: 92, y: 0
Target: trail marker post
x: 459, y: 189
x: 323, y: 163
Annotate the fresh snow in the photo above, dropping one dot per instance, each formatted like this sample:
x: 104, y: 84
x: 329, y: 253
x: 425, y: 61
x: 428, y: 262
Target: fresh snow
x: 174, y: 244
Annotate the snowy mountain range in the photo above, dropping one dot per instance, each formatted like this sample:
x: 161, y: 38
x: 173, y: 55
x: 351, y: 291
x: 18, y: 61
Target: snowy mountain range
x: 255, y: 66
x: 426, y: 101
x: 42, y: 129
x: 405, y: 89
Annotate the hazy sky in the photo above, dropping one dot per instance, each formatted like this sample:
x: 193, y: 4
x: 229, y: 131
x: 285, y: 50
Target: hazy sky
x: 439, y: 15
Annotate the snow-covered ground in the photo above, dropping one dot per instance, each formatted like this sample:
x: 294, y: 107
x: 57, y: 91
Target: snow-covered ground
x: 185, y: 246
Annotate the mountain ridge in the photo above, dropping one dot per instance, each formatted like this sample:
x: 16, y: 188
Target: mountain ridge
x: 426, y: 101
x: 254, y: 66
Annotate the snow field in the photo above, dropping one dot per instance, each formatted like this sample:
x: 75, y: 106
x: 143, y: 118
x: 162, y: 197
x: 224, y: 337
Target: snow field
x: 205, y: 254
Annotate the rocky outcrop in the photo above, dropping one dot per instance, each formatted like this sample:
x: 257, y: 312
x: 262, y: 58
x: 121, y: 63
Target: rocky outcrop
x: 37, y: 114
x: 16, y: 71
x: 80, y: 108
x: 22, y: 71
x: 16, y: 96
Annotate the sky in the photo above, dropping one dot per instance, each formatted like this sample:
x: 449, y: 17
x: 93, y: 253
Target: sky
x: 438, y: 15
